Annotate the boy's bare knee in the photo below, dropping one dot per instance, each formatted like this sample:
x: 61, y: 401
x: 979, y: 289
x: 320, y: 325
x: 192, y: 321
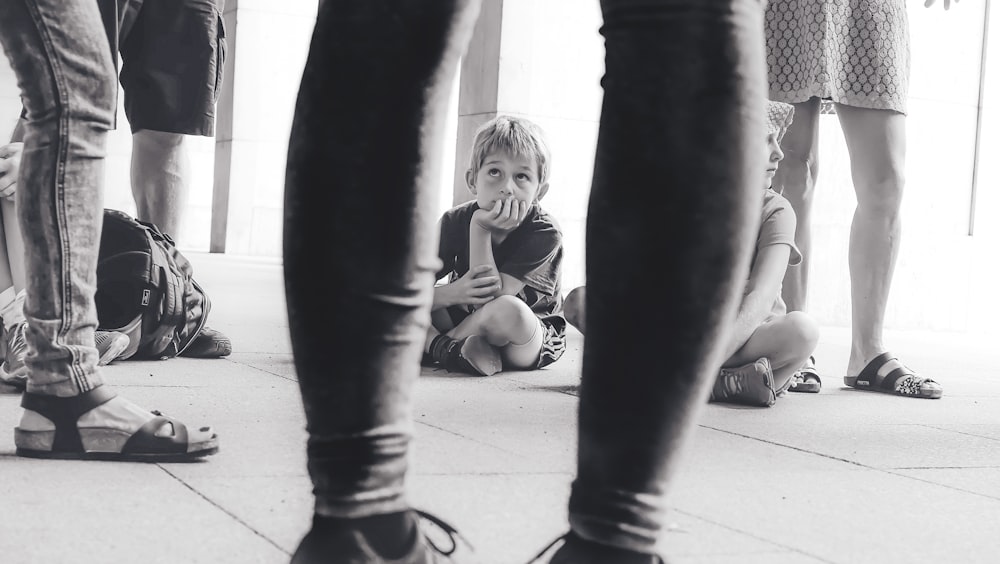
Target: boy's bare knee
x: 803, y: 332
x: 506, y: 309
x: 506, y: 318
x: 573, y: 307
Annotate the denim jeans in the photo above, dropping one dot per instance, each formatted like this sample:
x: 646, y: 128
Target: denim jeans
x: 62, y: 59
x: 679, y: 158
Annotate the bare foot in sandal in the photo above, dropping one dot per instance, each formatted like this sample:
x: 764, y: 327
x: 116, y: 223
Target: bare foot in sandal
x: 100, y: 425
x: 887, y: 375
x: 807, y: 379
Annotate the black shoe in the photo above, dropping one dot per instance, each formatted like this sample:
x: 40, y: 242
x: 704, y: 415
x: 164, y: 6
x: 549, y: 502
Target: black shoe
x: 209, y: 344
x: 343, y: 544
x: 473, y: 355
x: 576, y: 550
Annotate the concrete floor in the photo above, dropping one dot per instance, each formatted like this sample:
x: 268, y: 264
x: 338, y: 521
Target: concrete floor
x: 842, y: 476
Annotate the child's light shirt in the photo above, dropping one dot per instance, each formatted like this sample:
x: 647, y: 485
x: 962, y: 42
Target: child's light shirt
x: 777, y: 227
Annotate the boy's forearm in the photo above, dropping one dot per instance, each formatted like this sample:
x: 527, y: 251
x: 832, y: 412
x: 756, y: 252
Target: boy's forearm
x: 442, y: 297
x: 481, y: 247
x: 753, y: 310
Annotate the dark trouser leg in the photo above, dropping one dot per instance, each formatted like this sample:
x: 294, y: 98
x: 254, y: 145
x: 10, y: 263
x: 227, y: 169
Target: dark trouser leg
x: 676, y: 190
x: 359, y: 246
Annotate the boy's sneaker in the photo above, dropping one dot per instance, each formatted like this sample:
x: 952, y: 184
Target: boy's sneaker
x: 110, y: 345
x: 343, y: 544
x: 750, y: 384
x: 13, y: 371
x: 209, y: 344
x: 576, y: 550
x: 472, y: 355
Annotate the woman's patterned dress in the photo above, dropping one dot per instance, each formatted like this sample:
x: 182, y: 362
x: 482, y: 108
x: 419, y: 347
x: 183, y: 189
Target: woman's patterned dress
x: 855, y: 52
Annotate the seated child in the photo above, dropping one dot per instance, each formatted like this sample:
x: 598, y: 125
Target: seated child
x: 502, y: 305
x: 767, y: 345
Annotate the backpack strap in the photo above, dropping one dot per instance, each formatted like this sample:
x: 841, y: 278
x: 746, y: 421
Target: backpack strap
x: 172, y: 304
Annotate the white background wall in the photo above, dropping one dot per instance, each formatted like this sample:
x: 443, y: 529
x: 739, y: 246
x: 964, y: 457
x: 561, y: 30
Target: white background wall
x: 944, y: 279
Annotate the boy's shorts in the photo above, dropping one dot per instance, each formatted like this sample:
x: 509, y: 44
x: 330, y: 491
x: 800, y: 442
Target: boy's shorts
x: 172, y: 58
x: 553, y: 341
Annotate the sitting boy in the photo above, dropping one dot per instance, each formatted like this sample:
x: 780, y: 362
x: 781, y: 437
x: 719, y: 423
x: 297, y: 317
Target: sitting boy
x: 502, y: 305
x: 767, y: 345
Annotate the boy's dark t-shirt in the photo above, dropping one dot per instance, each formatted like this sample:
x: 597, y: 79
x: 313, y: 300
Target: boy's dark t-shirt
x: 532, y: 253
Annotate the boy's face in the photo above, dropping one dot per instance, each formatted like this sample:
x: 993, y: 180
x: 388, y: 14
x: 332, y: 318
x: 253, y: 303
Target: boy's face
x: 774, y: 156
x: 504, y: 176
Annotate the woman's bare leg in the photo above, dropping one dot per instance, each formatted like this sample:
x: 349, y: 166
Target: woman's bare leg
x: 796, y: 181
x: 876, y: 142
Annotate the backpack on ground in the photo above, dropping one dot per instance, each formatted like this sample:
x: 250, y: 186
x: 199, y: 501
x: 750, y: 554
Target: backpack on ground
x: 146, y: 289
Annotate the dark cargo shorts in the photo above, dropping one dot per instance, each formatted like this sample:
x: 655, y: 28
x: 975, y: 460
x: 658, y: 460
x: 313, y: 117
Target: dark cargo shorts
x: 172, y: 54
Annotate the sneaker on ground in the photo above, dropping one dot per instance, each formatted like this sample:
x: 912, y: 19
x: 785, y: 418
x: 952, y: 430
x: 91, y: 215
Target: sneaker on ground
x: 575, y: 550
x: 350, y: 545
x: 473, y: 355
x: 110, y: 345
x: 750, y: 384
x: 209, y: 344
x: 13, y: 371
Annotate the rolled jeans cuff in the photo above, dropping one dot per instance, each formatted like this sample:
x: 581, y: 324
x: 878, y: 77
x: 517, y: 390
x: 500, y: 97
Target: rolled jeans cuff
x: 619, y: 518
x: 61, y: 363
x: 361, y: 474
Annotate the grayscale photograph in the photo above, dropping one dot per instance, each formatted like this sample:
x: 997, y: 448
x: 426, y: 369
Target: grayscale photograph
x: 499, y: 282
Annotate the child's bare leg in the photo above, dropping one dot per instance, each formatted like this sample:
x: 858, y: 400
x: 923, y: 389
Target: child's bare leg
x: 440, y: 323
x: 502, y: 321
x: 786, y: 341
x: 508, y: 324
x: 574, y: 310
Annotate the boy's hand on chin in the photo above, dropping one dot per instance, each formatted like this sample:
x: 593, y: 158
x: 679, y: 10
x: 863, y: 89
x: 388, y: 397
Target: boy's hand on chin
x: 505, y: 215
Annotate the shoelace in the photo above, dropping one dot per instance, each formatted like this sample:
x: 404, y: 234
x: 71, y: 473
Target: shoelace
x: 452, y: 533
x: 732, y: 383
x: 17, y: 343
x: 563, y: 538
x: 549, y: 547
x: 102, y: 338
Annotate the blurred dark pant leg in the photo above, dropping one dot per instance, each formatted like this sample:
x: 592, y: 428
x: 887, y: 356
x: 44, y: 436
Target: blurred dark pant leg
x: 676, y: 190
x: 62, y: 59
x: 360, y: 251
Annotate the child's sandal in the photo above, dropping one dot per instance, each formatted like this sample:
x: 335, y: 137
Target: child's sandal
x: 807, y: 379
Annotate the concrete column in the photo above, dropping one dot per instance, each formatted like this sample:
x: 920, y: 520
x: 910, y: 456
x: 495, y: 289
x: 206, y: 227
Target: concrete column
x: 542, y: 61
x: 267, y: 47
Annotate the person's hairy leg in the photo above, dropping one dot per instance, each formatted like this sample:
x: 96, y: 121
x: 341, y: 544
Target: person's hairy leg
x: 160, y: 174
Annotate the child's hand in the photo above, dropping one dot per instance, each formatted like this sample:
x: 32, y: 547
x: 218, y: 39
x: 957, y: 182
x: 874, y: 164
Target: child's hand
x: 477, y: 287
x: 10, y: 164
x: 505, y: 216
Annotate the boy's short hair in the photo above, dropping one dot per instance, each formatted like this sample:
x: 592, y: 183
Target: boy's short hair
x: 514, y: 135
x: 779, y: 117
